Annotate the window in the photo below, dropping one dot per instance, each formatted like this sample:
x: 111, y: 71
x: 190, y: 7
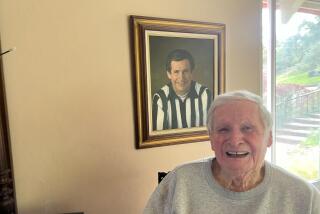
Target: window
x: 291, y: 83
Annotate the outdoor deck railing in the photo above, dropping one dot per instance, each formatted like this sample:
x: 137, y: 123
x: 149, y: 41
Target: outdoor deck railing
x: 297, y: 106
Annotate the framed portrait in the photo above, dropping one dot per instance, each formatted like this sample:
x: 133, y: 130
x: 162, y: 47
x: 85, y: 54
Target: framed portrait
x: 179, y: 67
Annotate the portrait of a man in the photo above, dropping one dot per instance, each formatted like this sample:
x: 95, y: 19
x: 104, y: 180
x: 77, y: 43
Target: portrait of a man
x: 182, y: 102
x: 179, y: 68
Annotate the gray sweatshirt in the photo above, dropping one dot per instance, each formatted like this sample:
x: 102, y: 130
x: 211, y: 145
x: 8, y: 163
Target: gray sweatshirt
x: 192, y: 189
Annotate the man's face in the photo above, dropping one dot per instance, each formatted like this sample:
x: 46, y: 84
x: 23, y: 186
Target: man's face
x: 238, y: 137
x: 180, y: 76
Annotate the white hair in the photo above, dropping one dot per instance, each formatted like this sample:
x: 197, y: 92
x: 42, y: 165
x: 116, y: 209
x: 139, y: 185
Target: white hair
x: 240, y: 95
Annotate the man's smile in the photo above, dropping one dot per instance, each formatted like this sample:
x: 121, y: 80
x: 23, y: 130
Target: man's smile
x: 237, y: 154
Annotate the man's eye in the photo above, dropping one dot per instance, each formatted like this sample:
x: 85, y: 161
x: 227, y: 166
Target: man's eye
x: 223, y: 130
x: 185, y: 71
x: 247, y: 128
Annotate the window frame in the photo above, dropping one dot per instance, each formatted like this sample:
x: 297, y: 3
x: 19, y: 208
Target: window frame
x: 309, y: 6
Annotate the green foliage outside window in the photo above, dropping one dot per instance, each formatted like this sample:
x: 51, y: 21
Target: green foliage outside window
x: 313, y: 139
x: 300, y: 53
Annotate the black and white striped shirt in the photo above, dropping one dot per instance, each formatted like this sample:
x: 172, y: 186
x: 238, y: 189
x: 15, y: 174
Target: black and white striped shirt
x: 171, y: 112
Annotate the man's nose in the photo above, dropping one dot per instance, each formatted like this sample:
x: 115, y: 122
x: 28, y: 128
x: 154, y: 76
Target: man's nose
x: 236, y: 137
x: 180, y: 75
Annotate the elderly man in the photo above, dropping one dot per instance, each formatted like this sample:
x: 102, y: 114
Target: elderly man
x: 182, y: 103
x: 238, y: 180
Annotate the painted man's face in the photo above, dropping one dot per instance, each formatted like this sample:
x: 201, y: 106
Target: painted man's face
x: 180, y: 76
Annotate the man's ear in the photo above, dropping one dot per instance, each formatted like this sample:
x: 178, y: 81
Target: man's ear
x: 169, y: 74
x: 270, y: 140
x: 211, y: 143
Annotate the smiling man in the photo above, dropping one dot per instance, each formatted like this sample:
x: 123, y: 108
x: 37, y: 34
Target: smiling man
x: 240, y: 142
x: 238, y: 179
x: 183, y: 102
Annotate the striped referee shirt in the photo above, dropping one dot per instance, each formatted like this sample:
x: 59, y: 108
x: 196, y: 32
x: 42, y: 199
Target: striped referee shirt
x: 170, y: 112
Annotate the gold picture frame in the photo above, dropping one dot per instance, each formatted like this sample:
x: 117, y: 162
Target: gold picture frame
x: 152, y: 39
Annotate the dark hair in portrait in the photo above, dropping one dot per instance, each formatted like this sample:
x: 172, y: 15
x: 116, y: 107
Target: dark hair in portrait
x: 178, y: 55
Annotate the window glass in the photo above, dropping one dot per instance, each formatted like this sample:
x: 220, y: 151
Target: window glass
x: 297, y: 89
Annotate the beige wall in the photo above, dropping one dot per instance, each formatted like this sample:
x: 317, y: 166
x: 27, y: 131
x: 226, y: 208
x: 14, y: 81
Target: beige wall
x: 70, y: 101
